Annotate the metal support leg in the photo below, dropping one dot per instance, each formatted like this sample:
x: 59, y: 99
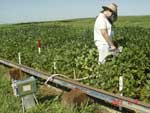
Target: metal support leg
x: 35, y: 99
x: 28, y: 101
x: 23, y: 108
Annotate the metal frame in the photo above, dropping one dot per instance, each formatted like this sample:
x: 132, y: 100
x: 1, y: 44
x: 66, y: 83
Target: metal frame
x: 96, y: 93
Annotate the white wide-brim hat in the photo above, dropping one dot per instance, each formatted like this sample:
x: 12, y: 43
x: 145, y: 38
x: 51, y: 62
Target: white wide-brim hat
x: 112, y: 7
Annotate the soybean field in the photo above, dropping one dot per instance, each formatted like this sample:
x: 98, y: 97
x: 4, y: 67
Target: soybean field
x: 70, y: 46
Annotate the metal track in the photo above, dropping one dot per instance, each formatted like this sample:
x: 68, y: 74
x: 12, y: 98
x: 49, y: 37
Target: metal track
x: 93, y: 92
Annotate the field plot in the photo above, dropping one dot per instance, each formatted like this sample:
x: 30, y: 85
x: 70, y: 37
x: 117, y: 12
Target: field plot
x: 70, y: 45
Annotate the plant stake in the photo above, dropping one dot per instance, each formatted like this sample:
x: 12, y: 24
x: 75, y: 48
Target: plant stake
x: 39, y: 46
x: 120, y: 88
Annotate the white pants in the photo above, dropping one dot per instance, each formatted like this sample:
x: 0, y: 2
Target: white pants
x: 103, y: 50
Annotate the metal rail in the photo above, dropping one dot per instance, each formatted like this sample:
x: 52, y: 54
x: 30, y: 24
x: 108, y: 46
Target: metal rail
x: 93, y: 92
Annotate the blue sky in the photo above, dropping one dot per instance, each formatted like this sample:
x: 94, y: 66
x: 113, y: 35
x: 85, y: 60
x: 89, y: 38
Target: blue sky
x: 15, y: 11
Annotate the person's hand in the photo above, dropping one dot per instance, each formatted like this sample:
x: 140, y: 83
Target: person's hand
x: 112, y: 48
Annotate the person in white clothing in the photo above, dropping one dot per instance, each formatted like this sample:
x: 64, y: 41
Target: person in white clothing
x: 103, y: 31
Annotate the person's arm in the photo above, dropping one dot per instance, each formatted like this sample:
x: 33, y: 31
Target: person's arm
x: 107, y: 38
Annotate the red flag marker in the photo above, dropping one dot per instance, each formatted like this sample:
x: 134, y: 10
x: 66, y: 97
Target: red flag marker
x: 39, y: 45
